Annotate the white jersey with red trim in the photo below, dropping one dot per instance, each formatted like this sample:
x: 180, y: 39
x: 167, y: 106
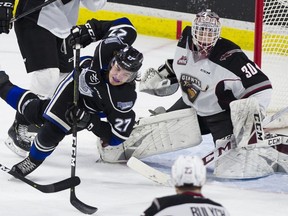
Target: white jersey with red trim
x: 210, y: 83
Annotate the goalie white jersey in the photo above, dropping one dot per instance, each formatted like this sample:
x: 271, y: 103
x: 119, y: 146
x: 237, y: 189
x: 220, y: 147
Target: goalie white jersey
x: 210, y: 83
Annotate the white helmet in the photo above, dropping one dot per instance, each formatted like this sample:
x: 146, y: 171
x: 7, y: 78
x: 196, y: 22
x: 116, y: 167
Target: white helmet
x: 188, y: 170
x: 206, y: 30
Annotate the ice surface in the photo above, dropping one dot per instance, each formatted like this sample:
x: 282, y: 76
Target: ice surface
x: 114, y: 188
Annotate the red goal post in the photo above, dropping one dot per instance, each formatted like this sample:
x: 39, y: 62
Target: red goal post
x: 271, y: 49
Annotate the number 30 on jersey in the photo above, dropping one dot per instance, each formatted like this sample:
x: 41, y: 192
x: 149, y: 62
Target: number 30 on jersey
x: 249, y: 70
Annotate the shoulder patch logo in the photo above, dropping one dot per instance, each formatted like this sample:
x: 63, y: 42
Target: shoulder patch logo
x: 182, y: 60
x: 125, y: 105
x: 93, y: 79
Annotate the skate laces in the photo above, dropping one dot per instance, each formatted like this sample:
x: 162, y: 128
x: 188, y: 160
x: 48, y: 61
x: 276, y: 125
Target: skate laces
x: 22, y: 133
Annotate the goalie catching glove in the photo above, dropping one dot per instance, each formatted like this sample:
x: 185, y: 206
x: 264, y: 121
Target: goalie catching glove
x: 82, y: 34
x: 6, y: 9
x: 161, y: 82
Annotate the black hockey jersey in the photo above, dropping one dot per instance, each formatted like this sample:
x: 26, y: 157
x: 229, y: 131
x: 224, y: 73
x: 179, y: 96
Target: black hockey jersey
x: 188, y: 204
x: 97, y: 94
x: 210, y: 83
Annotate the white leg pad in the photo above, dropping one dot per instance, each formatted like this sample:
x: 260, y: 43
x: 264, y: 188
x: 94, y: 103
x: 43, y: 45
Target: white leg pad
x: 241, y: 163
x: 246, y: 116
x: 157, y: 134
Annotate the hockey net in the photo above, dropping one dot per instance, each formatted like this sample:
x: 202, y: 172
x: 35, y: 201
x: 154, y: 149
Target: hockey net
x: 271, y: 50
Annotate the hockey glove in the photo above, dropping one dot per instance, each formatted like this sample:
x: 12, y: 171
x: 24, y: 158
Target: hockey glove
x: 82, y: 117
x: 82, y: 34
x: 161, y: 82
x: 6, y: 9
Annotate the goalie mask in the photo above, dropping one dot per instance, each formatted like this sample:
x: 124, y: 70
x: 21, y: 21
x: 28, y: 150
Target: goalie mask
x: 206, y: 30
x: 188, y: 171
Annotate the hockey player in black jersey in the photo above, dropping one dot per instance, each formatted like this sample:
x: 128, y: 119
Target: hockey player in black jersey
x: 106, y: 89
x: 188, y: 176
x: 47, y: 58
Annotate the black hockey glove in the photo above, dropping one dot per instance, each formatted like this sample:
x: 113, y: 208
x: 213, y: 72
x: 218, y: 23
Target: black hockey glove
x: 82, y: 117
x: 82, y: 34
x: 6, y: 9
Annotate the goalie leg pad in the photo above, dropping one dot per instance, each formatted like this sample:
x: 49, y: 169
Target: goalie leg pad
x: 157, y: 134
x: 241, y: 163
x: 246, y: 117
x: 173, y: 131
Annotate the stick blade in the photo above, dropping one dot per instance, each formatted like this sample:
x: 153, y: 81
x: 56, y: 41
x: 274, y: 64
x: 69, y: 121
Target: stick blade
x: 149, y: 172
x: 48, y: 188
x: 82, y: 207
x: 66, y: 183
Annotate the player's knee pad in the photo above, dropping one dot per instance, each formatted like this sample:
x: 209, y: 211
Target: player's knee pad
x: 44, y: 82
x: 49, y: 136
x: 34, y: 111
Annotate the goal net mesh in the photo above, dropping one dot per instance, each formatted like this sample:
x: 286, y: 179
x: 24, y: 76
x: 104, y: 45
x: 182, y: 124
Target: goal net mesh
x: 275, y: 53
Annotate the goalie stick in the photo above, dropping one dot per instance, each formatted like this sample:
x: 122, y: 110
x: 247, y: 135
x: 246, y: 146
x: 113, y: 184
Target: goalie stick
x: 48, y: 188
x: 78, y: 204
x: 164, y: 179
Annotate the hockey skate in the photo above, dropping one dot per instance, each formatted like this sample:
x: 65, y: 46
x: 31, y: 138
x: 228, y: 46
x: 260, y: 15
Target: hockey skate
x: 19, y: 140
x: 26, y: 166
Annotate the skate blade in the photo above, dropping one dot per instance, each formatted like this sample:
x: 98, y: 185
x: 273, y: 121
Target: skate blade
x: 10, y: 144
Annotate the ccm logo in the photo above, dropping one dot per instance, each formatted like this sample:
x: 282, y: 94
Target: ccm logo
x: 258, y: 127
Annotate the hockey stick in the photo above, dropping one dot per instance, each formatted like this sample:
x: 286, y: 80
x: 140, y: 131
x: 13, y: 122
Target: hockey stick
x: 73, y: 199
x: 31, y: 11
x: 278, y: 114
x: 48, y: 188
x: 164, y: 179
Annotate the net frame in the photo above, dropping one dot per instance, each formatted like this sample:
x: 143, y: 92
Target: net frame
x: 271, y: 49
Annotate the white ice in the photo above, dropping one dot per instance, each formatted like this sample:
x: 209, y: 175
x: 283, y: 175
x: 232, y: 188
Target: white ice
x: 114, y: 188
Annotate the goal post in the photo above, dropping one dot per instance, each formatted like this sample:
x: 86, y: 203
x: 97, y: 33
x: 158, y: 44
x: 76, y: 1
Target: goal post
x: 271, y: 50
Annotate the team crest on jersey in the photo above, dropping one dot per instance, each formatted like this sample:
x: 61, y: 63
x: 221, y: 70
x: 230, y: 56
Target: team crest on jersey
x: 93, y: 79
x: 191, y: 86
x: 182, y: 60
x: 124, y: 105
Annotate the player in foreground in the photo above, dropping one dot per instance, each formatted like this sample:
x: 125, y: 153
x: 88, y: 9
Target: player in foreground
x: 224, y: 94
x: 106, y: 89
x: 47, y: 57
x: 188, y: 175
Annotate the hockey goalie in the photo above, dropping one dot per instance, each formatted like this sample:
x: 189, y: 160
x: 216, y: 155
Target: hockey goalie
x: 224, y: 94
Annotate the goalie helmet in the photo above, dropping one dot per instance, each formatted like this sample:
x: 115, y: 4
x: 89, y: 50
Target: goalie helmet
x: 188, y: 170
x: 206, y: 30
